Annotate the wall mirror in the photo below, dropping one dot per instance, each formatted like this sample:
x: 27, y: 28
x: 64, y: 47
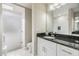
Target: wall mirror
x: 76, y: 21
x: 62, y: 18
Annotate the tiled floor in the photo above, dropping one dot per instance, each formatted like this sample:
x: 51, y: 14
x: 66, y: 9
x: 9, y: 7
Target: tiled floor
x: 20, y: 52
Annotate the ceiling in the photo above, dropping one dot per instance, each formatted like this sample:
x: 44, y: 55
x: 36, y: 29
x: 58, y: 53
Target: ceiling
x: 27, y: 5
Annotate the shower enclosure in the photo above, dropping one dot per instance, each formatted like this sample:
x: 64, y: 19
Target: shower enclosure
x: 13, y: 27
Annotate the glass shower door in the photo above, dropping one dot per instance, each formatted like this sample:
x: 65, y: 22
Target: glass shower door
x: 12, y: 24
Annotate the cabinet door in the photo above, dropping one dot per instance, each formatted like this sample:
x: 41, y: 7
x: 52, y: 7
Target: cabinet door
x: 46, y: 48
x: 66, y: 51
x: 50, y: 48
x: 41, y: 51
x: 76, y: 52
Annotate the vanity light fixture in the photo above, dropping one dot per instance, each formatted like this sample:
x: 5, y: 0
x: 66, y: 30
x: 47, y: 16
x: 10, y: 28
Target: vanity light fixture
x: 58, y: 6
x: 77, y: 21
x: 63, y: 3
x: 55, y: 6
x: 5, y: 6
x: 51, y: 7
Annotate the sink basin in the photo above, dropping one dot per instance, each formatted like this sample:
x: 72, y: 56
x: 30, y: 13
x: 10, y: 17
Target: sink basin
x: 49, y: 37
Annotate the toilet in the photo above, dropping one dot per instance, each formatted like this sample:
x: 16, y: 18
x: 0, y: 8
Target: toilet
x: 29, y: 47
x: 4, y: 51
x: 4, y: 46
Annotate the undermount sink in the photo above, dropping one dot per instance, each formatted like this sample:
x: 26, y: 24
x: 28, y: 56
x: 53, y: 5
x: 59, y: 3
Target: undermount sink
x: 49, y: 37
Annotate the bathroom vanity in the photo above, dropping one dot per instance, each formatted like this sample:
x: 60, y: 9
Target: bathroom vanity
x: 57, y: 45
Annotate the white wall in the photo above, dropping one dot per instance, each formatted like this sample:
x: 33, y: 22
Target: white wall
x: 28, y: 25
x: 49, y: 22
x: 38, y: 23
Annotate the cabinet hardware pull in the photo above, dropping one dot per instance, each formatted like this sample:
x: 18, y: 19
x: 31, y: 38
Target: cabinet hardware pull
x: 44, y: 49
x: 66, y: 51
x: 76, y: 41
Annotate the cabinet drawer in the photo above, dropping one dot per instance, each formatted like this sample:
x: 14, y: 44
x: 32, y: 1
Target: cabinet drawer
x: 66, y: 51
